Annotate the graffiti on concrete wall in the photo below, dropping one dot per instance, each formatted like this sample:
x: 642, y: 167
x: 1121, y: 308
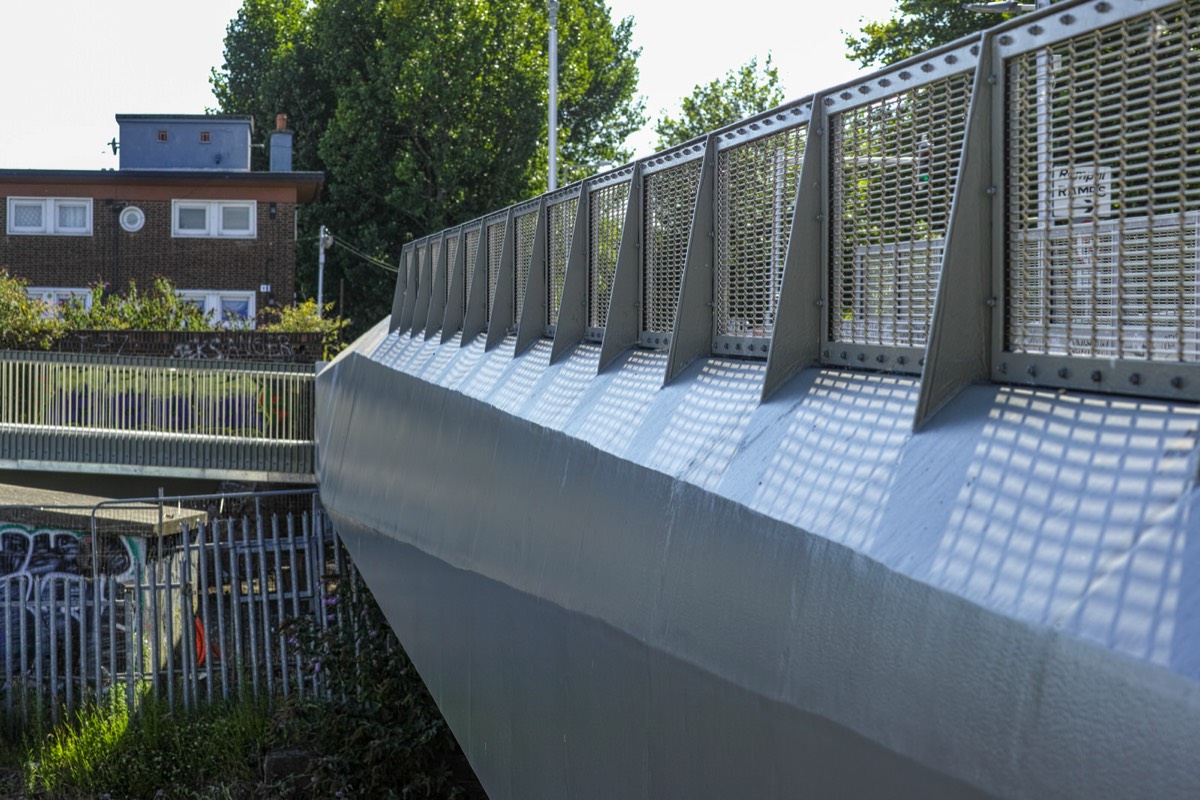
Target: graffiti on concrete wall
x: 44, y: 573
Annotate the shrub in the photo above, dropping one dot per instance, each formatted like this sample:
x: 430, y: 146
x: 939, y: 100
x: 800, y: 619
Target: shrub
x: 378, y: 731
x: 303, y: 318
x: 159, y: 309
x: 25, y: 323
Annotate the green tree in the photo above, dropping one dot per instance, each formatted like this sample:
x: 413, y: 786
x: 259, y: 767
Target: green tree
x: 917, y: 26
x: 423, y: 114
x: 741, y: 93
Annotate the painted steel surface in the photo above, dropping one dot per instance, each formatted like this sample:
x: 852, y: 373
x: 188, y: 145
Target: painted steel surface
x: 616, y: 589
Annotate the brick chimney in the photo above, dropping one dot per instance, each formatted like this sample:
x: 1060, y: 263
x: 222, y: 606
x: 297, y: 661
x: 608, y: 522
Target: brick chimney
x: 281, y: 145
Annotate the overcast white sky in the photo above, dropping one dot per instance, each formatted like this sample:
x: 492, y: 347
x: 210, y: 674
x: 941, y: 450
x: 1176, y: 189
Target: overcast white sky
x: 72, y: 65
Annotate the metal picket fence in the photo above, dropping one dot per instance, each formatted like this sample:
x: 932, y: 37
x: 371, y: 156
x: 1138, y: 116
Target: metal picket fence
x: 183, y: 599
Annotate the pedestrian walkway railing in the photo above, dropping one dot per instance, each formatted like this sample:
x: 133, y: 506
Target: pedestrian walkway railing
x: 1021, y: 206
x: 182, y: 599
x: 226, y: 419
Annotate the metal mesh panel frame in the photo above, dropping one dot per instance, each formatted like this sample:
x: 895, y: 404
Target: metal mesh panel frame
x: 494, y: 241
x: 884, y: 350
x: 1110, y: 267
x: 561, y: 210
x: 472, y: 239
x: 736, y: 263
x: 669, y: 184
x: 608, y: 198
x: 452, y: 243
x: 402, y: 286
x: 525, y: 218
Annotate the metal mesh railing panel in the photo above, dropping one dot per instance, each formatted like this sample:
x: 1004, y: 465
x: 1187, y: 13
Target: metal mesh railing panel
x: 670, y: 200
x: 435, y: 252
x: 608, y: 206
x: 416, y: 273
x: 495, y: 246
x: 1103, y: 190
x: 893, y: 168
x: 561, y: 226
x: 472, y: 241
x: 526, y: 230
x: 451, y: 254
x: 408, y: 270
x: 756, y: 195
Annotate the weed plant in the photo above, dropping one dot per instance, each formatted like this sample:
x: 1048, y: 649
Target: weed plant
x: 375, y: 730
x: 153, y: 753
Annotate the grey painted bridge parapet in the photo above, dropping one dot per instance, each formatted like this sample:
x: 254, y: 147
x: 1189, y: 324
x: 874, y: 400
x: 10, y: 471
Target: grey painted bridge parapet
x: 225, y: 420
x: 616, y: 589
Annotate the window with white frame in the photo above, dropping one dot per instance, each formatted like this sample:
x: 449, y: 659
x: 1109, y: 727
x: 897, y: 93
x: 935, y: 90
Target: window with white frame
x: 214, y: 218
x: 233, y: 309
x: 55, y: 297
x: 50, y: 216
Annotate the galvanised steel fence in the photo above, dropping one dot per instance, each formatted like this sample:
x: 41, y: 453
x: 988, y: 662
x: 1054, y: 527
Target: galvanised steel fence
x: 1021, y: 206
x: 185, y: 599
x: 235, y: 420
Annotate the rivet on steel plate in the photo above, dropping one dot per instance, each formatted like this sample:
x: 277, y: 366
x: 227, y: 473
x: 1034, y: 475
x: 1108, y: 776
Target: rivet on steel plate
x: 1063, y: 372
x: 1177, y: 382
x: 1136, y: 379
x: 825, y: 353
x: 844, y: 355
x: 1067, y: 19
x: 1036, y: 30
x: 862, y: 356
x: 1102, y: 7
x: 1006, y: 39
x: 901, y: 359
x: 819, y: 302
x: 1031, y: 370
x: 1097, y: 376
x: 991, y: 190
x: 991, y: 301
x: 993, y: 80
x: 1002, y: 368
x: 819, y: 217
x: 881, y: 358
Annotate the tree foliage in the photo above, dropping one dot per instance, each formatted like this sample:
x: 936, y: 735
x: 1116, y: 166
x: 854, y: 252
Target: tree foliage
x: 424, y: 113
x: 158, y: 309
x: 741, y: 93
x: 25, y: 323
x: 918, y: 25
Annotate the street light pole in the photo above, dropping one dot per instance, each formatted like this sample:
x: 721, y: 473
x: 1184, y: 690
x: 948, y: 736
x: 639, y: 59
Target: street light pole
x: 553, y: 126
x: 323, y: 243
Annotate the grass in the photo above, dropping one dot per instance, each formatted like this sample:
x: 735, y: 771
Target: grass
x: 106, y: 752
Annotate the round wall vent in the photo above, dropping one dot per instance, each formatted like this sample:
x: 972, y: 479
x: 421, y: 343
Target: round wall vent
x: 132, y: 219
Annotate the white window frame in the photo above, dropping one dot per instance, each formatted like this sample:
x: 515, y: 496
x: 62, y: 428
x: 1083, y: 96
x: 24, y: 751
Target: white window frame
x: 50, y: 207
x: 55, y: 296
x: 213, y: 219
x: 210, y: 301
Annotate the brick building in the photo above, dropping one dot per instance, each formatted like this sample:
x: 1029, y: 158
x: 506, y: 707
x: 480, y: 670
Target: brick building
x: 184, y: 204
